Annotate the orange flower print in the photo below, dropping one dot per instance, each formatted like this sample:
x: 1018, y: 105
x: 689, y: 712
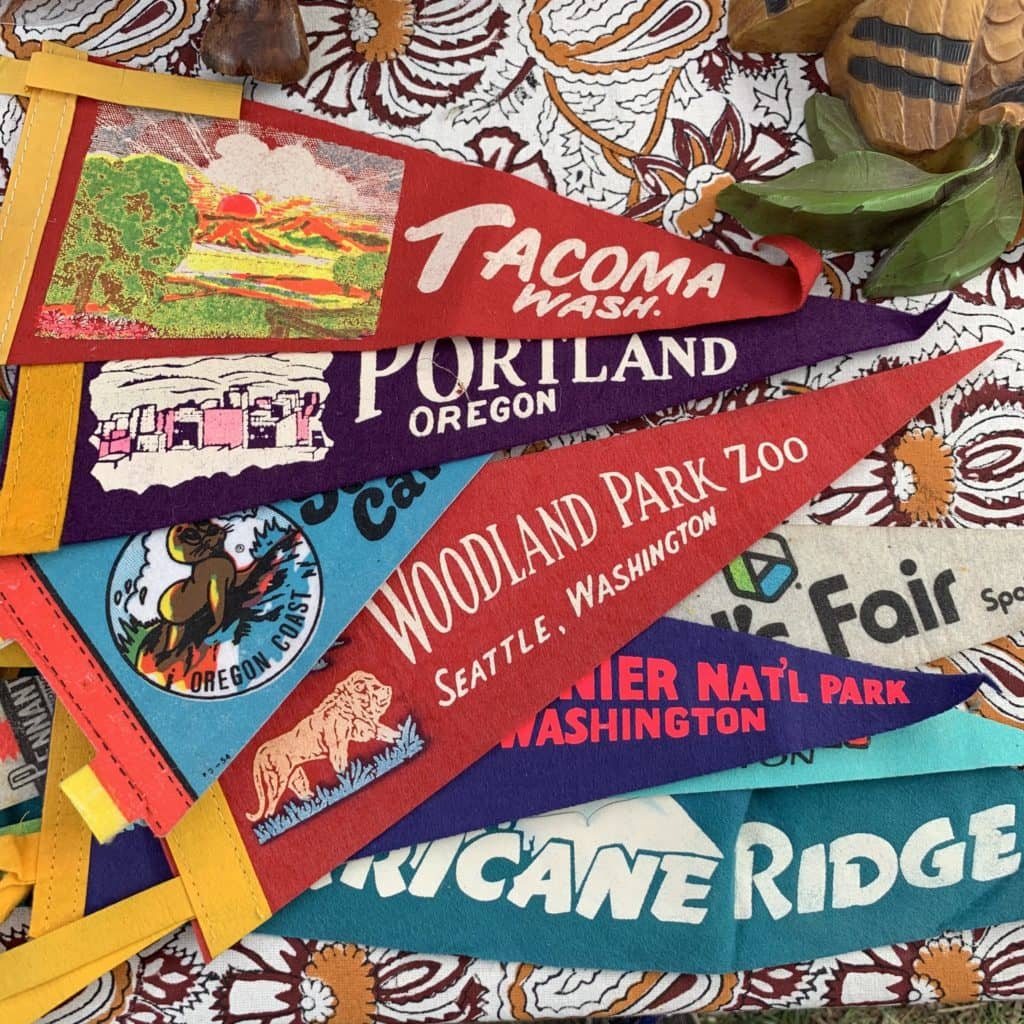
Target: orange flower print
x: 679, y: 192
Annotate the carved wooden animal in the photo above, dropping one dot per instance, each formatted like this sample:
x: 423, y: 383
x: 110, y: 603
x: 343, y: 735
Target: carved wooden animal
x: 916, y: 74
x: 262, y: 38
x: 785, y: 26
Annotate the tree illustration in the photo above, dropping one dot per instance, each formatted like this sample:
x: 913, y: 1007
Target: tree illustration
x: 365, y: 271
x: 131, y: 224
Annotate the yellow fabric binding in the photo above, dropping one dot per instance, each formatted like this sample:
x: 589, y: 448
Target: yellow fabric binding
x: 62, y: 872
x: 18, y: 857
x: 12, y: 656
x: 211, y: 859
x: 12, y: 77
x: 52, y: 72
x: 94, y: 804
x: 37, y: 478
x: 30, y: 191
x: 217, y: 880
x: 81, y: 952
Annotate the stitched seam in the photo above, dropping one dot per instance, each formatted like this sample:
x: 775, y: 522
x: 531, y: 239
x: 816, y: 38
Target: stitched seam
x: 81, y: 844
x: 55, y: 675
x: 31, y: 248
x: 51, y: 841
x: 55, y: 840
x: 18, y: 170
x: 244, y: 865
x: 81, y: 860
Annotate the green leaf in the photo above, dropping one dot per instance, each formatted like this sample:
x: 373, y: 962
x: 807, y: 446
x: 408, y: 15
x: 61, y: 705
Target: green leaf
x: 877, y: 199
x: 961, y: 238
x: 967, y: 156
x: 851, y: 233
x: 857, y: 182
x: 832, y: 128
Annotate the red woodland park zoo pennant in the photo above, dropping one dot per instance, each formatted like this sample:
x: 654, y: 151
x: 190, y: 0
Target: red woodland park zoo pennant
x: 541, y: 569
x: 185, y: 234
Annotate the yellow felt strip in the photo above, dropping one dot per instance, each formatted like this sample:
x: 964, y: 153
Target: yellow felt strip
x: 44, y: 138
x: 31, y: 1006
x: 37, y: 478
x: 19, y: 855
x: 94, y: 804
x: 135, y: 88
x: 62, y: 872
x: 212, y: 862
x: 37, y: 976
x: 12, y: 893
x: 12, y: 656
x: 12, y: 77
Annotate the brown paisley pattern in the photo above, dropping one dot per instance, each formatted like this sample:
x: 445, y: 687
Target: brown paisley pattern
x: 145, y: 33
x: 639, y: 107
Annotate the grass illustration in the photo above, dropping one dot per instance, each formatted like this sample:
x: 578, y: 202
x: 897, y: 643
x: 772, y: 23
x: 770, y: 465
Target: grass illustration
x: 357, y: 776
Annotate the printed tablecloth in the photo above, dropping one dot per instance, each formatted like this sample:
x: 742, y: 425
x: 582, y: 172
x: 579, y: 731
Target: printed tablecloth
x: 638, y: 107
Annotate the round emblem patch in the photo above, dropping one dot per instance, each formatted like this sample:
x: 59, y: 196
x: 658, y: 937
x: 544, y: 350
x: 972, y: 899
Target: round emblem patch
x: 215, y: 608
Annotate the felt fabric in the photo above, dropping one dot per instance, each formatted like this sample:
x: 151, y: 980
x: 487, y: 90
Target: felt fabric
x: 550, y: 615
x: 85, y: 949
x: 711, y: 882
x: 625, y: 726
x: 956, y: 740
x: 593, y: 123
x: 841, y: 698
x: 19, y: 851
x: 142, y: 456
x: 64, y: 864
x: 26, y: 711
x: 132, y: 863
x: 889, y: 595
x: 12, y: 656
x: 196, y: 633
x: 677, y: 701
x: 359, y: 243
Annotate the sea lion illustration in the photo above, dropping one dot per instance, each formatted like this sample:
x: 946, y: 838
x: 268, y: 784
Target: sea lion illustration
x: 213, y: 597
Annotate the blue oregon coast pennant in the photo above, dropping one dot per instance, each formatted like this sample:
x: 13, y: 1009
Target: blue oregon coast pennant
x: 290, y: 578
x: 702, y: 883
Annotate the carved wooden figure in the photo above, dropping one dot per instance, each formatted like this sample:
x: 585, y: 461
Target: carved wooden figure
x: 785, y: 26
x: 916, y: 74
x: 262, y: 38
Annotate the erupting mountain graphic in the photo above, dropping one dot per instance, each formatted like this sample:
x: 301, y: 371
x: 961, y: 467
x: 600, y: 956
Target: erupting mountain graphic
x: 260, y: 224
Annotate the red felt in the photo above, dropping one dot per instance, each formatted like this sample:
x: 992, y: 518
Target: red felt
x: 467, y: 303
x: 838, y: 425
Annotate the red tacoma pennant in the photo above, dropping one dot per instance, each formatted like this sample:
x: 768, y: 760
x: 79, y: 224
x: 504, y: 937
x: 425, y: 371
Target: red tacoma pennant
x: 279, y: 232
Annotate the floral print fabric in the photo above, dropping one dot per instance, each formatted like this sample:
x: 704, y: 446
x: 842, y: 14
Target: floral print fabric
x: 641, y: 108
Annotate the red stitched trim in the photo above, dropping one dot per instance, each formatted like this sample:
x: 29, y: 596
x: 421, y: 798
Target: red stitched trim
x: 149, y: 758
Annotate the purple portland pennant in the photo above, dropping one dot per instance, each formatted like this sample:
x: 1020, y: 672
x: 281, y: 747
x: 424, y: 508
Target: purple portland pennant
x: 181, y: 439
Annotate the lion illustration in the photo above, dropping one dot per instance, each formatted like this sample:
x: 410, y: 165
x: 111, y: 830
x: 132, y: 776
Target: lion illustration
x: 350, y: 713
